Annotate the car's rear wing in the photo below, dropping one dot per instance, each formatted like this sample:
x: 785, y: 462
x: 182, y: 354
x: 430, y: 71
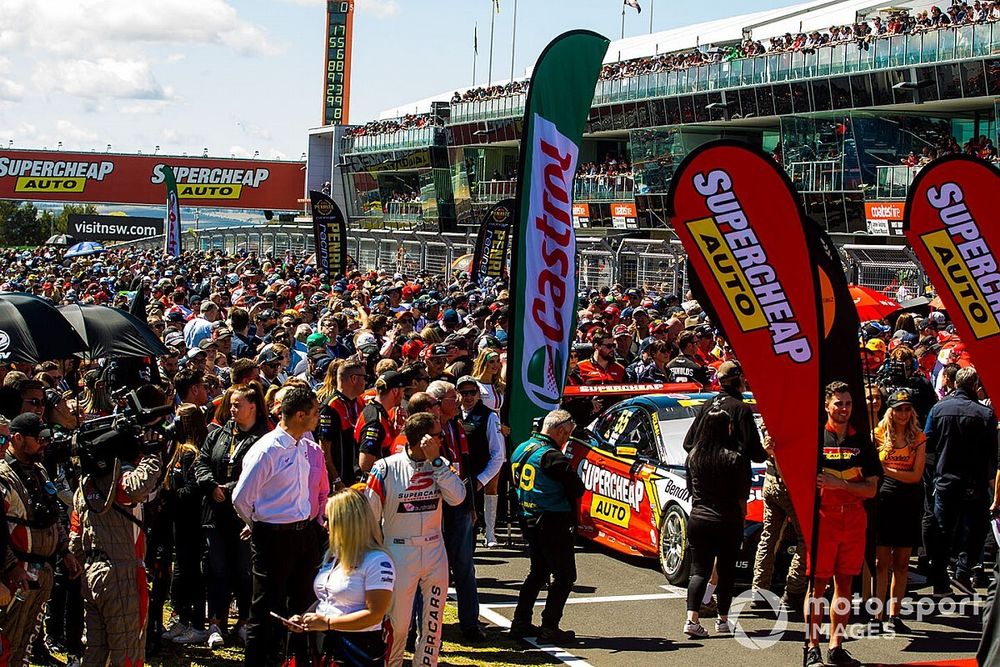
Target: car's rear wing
x: 624, y: 390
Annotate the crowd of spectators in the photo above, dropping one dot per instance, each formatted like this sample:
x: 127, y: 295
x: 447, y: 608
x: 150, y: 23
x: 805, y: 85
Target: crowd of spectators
x: 407, y: 122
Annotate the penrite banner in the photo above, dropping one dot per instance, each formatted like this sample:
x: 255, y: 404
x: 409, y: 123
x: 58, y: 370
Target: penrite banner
x: 543, y: 255
x: 172, y: 233
x: 491, y: 244
x: 951, y: 221
x: 329, y: 234
x: 740, y: 221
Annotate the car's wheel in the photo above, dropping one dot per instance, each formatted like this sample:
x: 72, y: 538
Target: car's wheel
x: 675, y: 554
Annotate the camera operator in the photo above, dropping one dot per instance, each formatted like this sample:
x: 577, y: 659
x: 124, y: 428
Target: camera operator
x: 110, y: 540
x: 37, y: 538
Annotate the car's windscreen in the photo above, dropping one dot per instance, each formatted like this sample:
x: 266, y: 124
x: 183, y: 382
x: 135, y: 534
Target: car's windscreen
x: 674, y: 424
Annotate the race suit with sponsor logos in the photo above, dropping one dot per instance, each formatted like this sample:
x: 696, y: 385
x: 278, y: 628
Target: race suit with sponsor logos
x: 112, y: 548
x: 406, y: 497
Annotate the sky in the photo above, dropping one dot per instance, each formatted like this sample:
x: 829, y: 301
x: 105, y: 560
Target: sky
x: 241, y: 76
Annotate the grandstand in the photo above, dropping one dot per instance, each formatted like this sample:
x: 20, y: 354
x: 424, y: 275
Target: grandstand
x: 851, y: 97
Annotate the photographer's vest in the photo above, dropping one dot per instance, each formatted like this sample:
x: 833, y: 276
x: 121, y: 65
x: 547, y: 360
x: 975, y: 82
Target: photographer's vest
x: 536, y: 491
x: 31, y: 509
x: 474, y: 425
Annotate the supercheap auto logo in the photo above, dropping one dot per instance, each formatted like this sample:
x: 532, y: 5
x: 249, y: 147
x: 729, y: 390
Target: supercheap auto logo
x: 613, y: 497
x: 211, y: 182
x: 33, y: 176
x: 965, y: 261
x: 742, y: 269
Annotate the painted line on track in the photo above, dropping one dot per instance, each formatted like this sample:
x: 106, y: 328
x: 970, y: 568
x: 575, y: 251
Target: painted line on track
x: 673, y: 595
x: 559, y: 654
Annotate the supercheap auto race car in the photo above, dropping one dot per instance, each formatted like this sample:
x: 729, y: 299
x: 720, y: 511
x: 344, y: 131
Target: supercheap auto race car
x: 636, y: 500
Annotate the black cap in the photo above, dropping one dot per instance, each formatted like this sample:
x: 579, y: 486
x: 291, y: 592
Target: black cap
x: 392, y: 380
x: 900, y: 396
x: 29, y: 424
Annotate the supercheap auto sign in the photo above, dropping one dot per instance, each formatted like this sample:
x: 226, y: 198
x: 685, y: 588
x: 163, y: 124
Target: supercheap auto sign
x: 135, y: 179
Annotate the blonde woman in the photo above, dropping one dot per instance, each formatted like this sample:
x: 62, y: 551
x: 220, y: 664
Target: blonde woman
x: 900, y: 443
x: 353, y: 586
x: 487, y: 371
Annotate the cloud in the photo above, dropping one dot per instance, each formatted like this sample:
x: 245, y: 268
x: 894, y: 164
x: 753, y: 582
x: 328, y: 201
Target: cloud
x: 380, y: 9
x: 100, y: 79
x: 126, y: 22
x: 142, y: 107
x: 71, y: 133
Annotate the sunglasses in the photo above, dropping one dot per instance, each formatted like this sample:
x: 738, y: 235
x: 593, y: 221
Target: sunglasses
x: 273, y: 364
x: 33, y: 401
x: 606, y: 345
x: 469, y: 392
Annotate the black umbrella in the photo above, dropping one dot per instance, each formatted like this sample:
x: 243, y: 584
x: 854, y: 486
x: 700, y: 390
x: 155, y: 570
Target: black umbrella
x: 32, y: 330
x: 112, y: 333
x: 61, y: 240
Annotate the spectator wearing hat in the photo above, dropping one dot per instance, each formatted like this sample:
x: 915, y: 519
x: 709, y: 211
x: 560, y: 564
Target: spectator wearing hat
x: 436, y: 358
x: 244, y: 346
x: 486, y: 451
x: 901, y: 370
x: 269, y: 362
x: 900, y: 443
x: 873, y: 355
x: 657, y: 370
x: 317, y: 361
x: 376, y: 430
x: 625, y: 346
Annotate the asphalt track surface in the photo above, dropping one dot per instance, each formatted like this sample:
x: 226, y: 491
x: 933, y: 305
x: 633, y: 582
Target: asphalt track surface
x: 624, y: 613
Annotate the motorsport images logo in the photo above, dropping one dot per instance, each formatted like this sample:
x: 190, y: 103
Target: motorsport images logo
x: 741, y: 602
x: 35, y: 176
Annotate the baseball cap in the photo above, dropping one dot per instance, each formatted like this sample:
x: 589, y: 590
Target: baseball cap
x: 875, y: 345
x: 206, y: 343
x: 392, y: 380
x: 317, y: 352
x: 436, y: 351
x: 620, y: 330
x: 900, y: 396
x: 30, y: 424
x: 412, y: 348
x: 450, y: 316
x: 367, y: 343
x: 466, y: 379
x: 873, y: 329
x: 317, y: 340
x: 268, y: 355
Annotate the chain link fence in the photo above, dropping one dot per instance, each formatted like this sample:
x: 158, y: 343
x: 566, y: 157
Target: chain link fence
x: 891, y: 270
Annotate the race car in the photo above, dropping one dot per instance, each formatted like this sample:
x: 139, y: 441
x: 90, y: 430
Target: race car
x: 636, y: 500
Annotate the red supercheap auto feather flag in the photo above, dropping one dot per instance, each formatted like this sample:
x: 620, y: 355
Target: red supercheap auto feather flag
x: 742, y: 228
x: 952, y: 223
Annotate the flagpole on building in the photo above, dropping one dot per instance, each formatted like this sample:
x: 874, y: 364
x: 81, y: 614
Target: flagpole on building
x: 651, y: 16
x: 623, y: 19
x: 513, y: 36
x: 493, y: 17
x: 475, y: 51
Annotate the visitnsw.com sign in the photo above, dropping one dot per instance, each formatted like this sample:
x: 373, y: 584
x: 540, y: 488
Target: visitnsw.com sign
x: 112, y: 227
x: 98, y: 178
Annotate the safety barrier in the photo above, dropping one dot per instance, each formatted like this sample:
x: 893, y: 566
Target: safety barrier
x: 654, y: 265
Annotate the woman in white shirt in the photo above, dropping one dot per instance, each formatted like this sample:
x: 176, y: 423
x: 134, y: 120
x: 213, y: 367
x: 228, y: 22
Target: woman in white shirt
x: 353, y: 586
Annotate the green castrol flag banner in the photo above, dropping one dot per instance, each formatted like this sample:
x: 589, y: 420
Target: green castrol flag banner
x: 172, y: 230
x: 543, y: 251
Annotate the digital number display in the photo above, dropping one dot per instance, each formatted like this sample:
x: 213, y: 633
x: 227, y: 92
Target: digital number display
x: 337, y: 83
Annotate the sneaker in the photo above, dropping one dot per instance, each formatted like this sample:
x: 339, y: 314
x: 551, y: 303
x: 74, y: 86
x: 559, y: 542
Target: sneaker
x: 175, y: 629
x: 192, y: 636
x: 519, y: 631
x: 723, y: 627
x: 215, y: 639
x: 896, y: 624
x: 841, y: 658
x: 490, y: 540
x: 241, y: 634
x: 695, y: 630
x: 812, y: 657
x: 556, y: 636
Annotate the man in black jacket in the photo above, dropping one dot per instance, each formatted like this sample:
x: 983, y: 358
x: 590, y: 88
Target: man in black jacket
x: 746, y: 437
x: 962, y: 433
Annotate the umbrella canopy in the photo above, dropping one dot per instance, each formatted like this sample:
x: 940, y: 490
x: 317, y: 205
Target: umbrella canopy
x: 84, y: 249
x: 61, y: 240
x: 937, y: 304
x: 872, y: 305
x: 112, y: 333
x: 32, y: 330
x: 463, y: 263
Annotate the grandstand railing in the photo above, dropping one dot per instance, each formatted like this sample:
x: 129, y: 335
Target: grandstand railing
x: 885, y: 52
x: 893, y: 181
x: 490, y: 192
x: 420, y: 137
x: 817, y: 175
x: 603, y: 188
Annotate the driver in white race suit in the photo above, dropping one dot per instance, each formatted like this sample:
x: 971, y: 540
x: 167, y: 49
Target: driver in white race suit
x: 405, y: 492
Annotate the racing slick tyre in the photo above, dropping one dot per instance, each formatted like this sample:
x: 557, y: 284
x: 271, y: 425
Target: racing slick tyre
x: 675, y: 554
